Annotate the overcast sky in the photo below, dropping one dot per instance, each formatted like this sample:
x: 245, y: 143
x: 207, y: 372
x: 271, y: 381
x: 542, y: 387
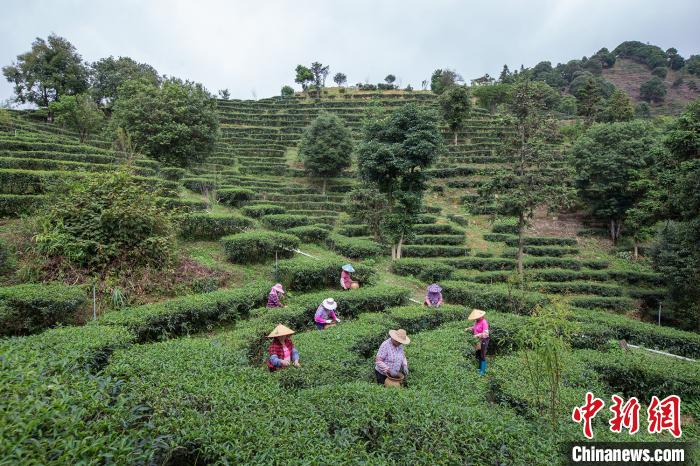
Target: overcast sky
x: 252, y: 47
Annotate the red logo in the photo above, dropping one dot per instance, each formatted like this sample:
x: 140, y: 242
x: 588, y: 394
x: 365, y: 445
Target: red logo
x: 587, y: 412
x: 665, y: 415
x: 625, y: 415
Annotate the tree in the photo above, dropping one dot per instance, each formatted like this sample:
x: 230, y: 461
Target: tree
x: 287, y: 91
x: 530, y: 177
x: 589, y: 100
x: 320, y: 72
x: 489, y: 97
x: 79, y: 113
x: 368, y: 206
x: 506, y: 77
x: 610, y: 161
x: 340, y: 79
x: 442, y: 79
x: 51, y: 69
x: 617, y: 108
x: 692, y: 64
x: 325, y: 147
x: 392, y: 157
x: 568, y: 105
x: 653, y: 90
x: 175, y: 123
x: 642, y: 110
x: 390, y: 78
x: 660, y: 72
x: 675, y: 61
x: 304, y: 76
x: 224, y: 94
x: 455, y: 105
x: 109, y: 73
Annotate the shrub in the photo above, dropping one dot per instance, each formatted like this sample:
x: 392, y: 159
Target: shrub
x: 285, y: 221
x: 492, y: 297
x: 450, y: 240
x: 260, y: 210
x: 199, y: 184
x: 310, y: 233
x: 653, y: 90
x: 173, y: 173
x: 258, y: 246
x: 200, y: 226
x: 15, y: 205
x: 353, y: 248
x: 548, y: 251
x: 543, y: 241
x: 424, y: 269
x: 599, y: 289
x: 660, y: 71
x: 189, y: 313
x: 611, y: 303
x: 234, y: 196
x: 107, y: 220
x: 354, y: 230
x: 410, y: 250
x: 7, y: 259
x: 30, y: 308
x: 436, y: 229
x: 304, y: 274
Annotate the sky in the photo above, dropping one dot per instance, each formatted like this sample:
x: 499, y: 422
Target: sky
x: 252, y: 47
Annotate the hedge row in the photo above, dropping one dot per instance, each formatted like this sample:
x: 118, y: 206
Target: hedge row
x: 492, y: 297
x: 353, y: 248
x: 611, y: 303
x: 450, y: 240
x: 183, y: 205
x: 625, y: 276
x: 410, y: 250
x: 285, y: 221
x: 580, y: 287
x: 546, y: 251
x: 189, y: 313
x: 173, y: 173
x: 500, y: 263
x: 15, y: 205
x: 436, y: 229
x: 30, y: 308
x: 310, y: 233
x: 258, y: 246
x: 199, y: 183
x: 304, y: 274
x: 234, y: 196
x: 67, y: 156
x: 543, y: 241
x: 352, y: 230
x: 424, y: 269
x: 260, y: 210
x: 509, y: 226
x: 202, y: 226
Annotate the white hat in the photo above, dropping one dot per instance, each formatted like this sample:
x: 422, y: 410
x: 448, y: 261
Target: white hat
x: 330, y: 304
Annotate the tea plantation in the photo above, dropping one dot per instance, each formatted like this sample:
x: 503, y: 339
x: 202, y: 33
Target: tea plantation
x: 179, y: 377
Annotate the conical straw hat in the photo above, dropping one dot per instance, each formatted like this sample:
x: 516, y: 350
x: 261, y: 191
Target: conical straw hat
x: 400, y: 336
x: 476, y: 314
x: 280, y: 331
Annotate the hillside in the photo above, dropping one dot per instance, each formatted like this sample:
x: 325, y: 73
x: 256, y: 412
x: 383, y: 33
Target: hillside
x: 183, y: 381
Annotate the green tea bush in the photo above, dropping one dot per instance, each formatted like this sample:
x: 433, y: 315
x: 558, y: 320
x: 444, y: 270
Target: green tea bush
x: 181, y: 205
x: 260, y: 210
x: 449, y: 240
x: 612, y: 303
x: 30, y: 308
x: 199, y: 226
x: 106, y: 221
x: 436, y: 229
x: 548, y: 251
x: 234, y: 196
x: 498, y: 237
x: 354, y: 230
x: 15, y: 205
x: 509, y: 226
x: 599, y: 289
x: 258, y: 246
x: 199, y: 184
x: 492, y: 297
x: 424, y: 269
x: 310, y: 233
x: 353, y: 248
x: 543, y: 241
x: 285, y: 221
x: 173, y: 173
x: 304, y: 274
x: 494, y: 276
x: 189, y: 313
x: 7, y: 256
x: 421, y: 250
x: 32, y: 181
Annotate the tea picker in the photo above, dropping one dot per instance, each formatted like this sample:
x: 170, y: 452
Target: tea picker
x: 391, y: 366
x: 282, y: 351
x: 480, y: 330
x: 325, y: 314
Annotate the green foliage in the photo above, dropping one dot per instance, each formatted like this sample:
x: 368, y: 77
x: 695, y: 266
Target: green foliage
x: 284, y: 221
x: 367, y: 205
x: 305, y: 274
x: 175, y: 123
x: 28, y: 309
x: 617, y: 108
x: 258, y: 246
x: 653, y: 90
x: 78, y: 113
x: 431, y: 250
x: 104, y: 222
x: 693, y: 65
x: 490, y: 97
x: 207, y: 226
x: 455, y: 105
x: 642, y: 110
x: 675, y: 61
x: 353, y: 248
x: 110, y: 73
x: 304, y: 76
x: 660, y: 72
x: 310, y: 233
x: 15, y: 205
x: 441, y: 80
x: 568, y: 105
x: 340, y: 79
x: 50, y: 70
x: 426, y: 270
x: 492, y: 297
x: 7, y: 256
x: 173, y: 173
x: 650, y: 55
x: 287, y: 91
x: 326, y: 146
x: 611, y: 303
x: 234, y: 196
x: 261, y: 210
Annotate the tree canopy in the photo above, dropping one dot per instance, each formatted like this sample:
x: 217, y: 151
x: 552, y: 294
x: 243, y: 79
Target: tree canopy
x: 442, y: 79
x: 79, y: 113
x: 455, y: 105
x: 326, y: 146
x: 110, y: 73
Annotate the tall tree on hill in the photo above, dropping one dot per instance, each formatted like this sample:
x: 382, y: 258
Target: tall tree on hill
x: 612, y: 161
x: 532, y: 176
x: 79, y: 113
x: 393, y: 156
x: 617, y: 108
x: 109, y: 73
x: 506, y: 77
x: 224, y: 94
x: 51, y: 69
x: 304, y: 76
x: 326, y: 147
x: 340, y: 79
x: 442, y: 79
x: 390, y: 78
x: 589, y: 100
x: 653, y: 90
x: 455, y: 105
x: 489, y: 97
x: 176, y: 123
x: 320, y: 73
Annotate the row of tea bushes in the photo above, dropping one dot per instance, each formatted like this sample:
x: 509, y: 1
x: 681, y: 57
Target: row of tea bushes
x: 234, y: 197
x: 501, y: 263
x: 284, y: 221
x: 317, y: 233
x: 492, y: 297
x: 210, y: 226
x: 15, y: 205
x: 259, y: 246
x: 427, y: 270
x: 31, y: 308
x: 261, y: 210
x: 432, y: 250
x: 304, y: 274
x: 354, y: 248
